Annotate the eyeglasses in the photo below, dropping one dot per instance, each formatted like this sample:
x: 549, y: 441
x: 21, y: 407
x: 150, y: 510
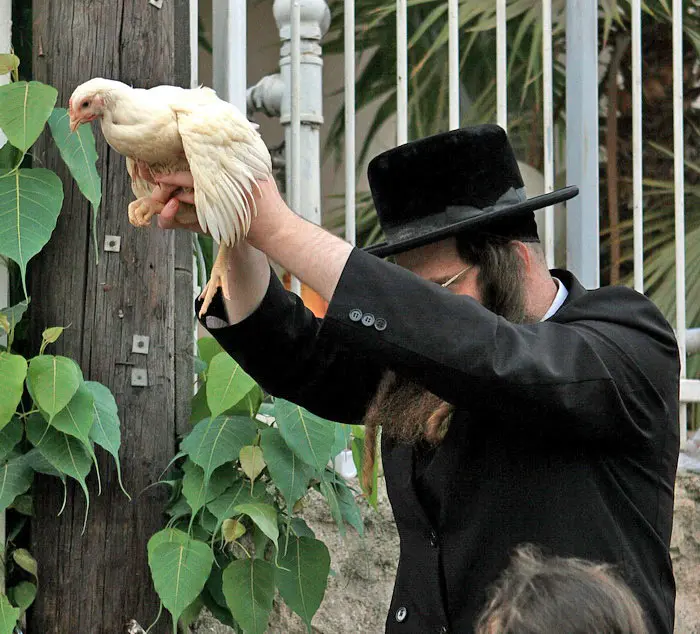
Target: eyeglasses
x: 454, y: 278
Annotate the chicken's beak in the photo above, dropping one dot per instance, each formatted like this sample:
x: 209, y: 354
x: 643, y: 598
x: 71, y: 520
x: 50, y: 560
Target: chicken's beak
x: 74, y: 123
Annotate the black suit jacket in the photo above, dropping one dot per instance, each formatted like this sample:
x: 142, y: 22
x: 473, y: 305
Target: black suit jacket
x: 565, y: 432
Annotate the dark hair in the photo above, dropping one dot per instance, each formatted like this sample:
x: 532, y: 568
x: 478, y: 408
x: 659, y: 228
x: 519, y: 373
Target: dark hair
x: 501, y: 273
x: 542, y: 595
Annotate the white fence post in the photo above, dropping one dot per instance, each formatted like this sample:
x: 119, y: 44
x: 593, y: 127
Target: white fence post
x: 304, y: 180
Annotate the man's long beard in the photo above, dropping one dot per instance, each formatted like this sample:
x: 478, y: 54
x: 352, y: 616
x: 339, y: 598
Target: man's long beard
x: 406, y: 411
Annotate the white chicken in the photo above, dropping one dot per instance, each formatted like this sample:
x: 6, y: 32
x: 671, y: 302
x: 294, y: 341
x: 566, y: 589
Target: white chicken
x: 168, y: 129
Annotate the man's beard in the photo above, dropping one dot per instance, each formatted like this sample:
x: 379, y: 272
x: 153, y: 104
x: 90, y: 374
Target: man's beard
x: 409, y: 413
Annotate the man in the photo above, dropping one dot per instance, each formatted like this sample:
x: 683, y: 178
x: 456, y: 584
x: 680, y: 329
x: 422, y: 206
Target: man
x: 553, y: 423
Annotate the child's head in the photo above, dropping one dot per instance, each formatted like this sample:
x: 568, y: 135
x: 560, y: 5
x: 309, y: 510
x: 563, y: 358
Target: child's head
x: 547, y: 595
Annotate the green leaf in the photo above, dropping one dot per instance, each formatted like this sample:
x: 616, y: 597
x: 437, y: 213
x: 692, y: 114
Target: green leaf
x: 227, y: 384
x: 106, y: 431
x: 79, y: 154
x: 13, y: 371
x: 252, y: 461
x: 77, y: 417
x: 8, y: 616
x: 302, y: 576
x: 41, y: 465
x: 4, y: 323
x: 301, y: 528
x: 216, y: 441
x: 15, y: 478
x: 249, y: 588
x: 190, y: 613
x: 198, y: 491
x: 343, y: 436
x: 8, y: 63
x: 290, y: 474
x: 222, y: 507
x: 10, y: 436
x: 179, y: 571
x: 63, y: 452
x: 14, y: 316
x: 328, y: 492
x: 51, y: 335
x: 231, y: 530
x: 164, y: 536
x: 24, y: 109
x: 30, y: 201
x: 264, y: 516
x: 208, y: 348
x: 349, y: 510
x: 24, y: 504
x: 309, y: 436
x: 23, y: 558
x: 52, y: 382
x: 199, y: 409
x: 22, y: 595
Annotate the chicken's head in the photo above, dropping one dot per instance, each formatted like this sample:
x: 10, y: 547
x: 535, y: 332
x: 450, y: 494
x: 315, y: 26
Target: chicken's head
x: 87, y: 103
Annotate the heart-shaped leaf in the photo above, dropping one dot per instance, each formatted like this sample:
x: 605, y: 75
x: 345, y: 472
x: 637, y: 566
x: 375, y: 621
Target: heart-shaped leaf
x: 30, y: 201
x: 105, y: 430
x: 179, y: 570
x: 79, y: 154
x: 24, y: 109
x: 51, y: 335
x: 208, y: 348
x: 222, y: 507
x: 52, y: 382
x: 13, y: 371
x: 8, y: 616
x: 264, y: 516
x: 227, y: 384
x: 216, y: 441
x: 23, y: 558
x: 302, y: 576
x: 252, y: 461
x: 309, y: 436
x: 14, y: 316
x: 8, y: 63
x: 329, y: 493
x: 249, y: 588
x: 77, y: 417
x: 198, y: 490
x: 290, y: 474
x: 22, y: 595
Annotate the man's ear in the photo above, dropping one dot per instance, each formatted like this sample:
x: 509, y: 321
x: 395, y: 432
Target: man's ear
x: 525, y: 254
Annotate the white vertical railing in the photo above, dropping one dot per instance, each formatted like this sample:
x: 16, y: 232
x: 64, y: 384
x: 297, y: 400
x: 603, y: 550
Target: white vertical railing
x: 350, y: 176
x: 229, y: 44
x: 678, y: 169
x: 401, y: 72
x: 548, y: 127
x: 453, y: 61
x: 501, y: 65
x: 194, y: 43
x: 637, y: 211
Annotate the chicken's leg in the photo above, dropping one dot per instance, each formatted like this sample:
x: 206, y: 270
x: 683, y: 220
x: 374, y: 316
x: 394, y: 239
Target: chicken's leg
x: 142, y: 210
x: 217, y: 279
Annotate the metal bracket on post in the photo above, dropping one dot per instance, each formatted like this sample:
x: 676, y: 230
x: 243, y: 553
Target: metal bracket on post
x: 139, y: 377
x: 158, y: 4
x: 113, y: 243
x: 139, y: 345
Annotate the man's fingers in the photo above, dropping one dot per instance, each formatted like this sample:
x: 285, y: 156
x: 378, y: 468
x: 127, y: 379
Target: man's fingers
x: 163, y: 193
x: 179, y: 179
x: 185, y: 197
x: 170, y: 209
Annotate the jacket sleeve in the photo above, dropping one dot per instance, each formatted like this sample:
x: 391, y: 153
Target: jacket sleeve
x: 282, y: 346
x: 590, y: 376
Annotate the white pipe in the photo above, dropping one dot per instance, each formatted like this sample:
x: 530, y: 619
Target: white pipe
x: 350, y: 229
x: 453, y: 61
x: 501, y: 66
x: 194, y: 43
x: 678, y: 168
x: 295, y: 114
x: 548, y: 125
x: 401, y: 72
x: 637, y: 146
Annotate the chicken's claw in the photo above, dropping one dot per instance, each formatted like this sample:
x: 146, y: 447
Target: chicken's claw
x: 142, y: 210
x: 217, y: 279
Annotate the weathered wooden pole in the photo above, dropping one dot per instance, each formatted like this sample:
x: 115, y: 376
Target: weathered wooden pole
x: 94, y: 583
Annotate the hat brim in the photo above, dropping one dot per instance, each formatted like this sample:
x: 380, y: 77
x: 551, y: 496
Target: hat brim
x: 385, y: 249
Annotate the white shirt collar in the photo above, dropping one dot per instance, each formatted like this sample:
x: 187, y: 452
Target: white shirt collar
x: 559, y: 299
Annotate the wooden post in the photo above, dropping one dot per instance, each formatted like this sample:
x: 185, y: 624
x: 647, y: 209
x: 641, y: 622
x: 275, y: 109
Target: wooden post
x: 98, y: 581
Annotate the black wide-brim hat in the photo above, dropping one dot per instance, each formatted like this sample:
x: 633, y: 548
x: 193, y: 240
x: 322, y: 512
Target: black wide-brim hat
x: 465, y: 180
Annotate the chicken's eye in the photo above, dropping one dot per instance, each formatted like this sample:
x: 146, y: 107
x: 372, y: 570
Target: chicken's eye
x: 85, y: 104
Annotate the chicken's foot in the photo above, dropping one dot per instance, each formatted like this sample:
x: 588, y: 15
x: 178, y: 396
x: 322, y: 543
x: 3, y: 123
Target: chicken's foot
x: 142, y: 210
x: 217, y: 279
